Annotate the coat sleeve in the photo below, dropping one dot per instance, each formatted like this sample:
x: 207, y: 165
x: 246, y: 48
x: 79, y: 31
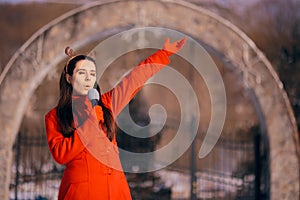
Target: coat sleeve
x: 130, y: 84
x: 64, y: 149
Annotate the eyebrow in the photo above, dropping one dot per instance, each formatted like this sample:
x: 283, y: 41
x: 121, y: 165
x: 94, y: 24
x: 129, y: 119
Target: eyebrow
x: 86, y: 70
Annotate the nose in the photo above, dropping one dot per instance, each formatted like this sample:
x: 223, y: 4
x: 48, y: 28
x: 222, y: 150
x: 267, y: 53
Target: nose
x: 88, y: 77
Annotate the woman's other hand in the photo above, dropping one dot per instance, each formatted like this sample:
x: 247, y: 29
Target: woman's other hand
x: 174, y: 47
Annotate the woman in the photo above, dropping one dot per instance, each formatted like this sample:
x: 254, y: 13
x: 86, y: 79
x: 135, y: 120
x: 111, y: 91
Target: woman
x: 82, y: 136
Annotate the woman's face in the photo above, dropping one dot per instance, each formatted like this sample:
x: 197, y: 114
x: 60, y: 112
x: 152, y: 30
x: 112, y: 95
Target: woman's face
x: 83, y: 78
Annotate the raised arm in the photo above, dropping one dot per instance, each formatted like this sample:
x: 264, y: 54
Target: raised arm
x: 120, y: 96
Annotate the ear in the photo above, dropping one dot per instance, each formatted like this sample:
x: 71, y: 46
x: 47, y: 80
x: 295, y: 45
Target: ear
x: 68, y: 78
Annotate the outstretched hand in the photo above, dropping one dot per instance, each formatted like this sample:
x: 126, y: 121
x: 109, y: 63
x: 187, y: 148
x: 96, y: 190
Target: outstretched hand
x: 174, y: 47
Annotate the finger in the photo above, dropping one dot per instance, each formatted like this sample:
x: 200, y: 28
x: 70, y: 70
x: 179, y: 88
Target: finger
x: 181, y: 43
x: 167, y: 41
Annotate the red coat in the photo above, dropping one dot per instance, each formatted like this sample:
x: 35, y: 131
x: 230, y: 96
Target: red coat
x: 93, y: 169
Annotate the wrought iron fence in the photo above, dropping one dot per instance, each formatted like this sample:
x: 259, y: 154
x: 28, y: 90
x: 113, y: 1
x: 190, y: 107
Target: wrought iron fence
x: 35, y: 176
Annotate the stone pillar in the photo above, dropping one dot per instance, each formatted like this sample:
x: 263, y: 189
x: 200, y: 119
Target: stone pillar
x: 5, y: 169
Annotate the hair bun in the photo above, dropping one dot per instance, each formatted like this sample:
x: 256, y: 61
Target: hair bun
x: 69, y: 52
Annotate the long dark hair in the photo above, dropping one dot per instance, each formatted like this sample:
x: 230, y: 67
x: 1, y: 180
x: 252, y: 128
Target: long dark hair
x: 64, y: 106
